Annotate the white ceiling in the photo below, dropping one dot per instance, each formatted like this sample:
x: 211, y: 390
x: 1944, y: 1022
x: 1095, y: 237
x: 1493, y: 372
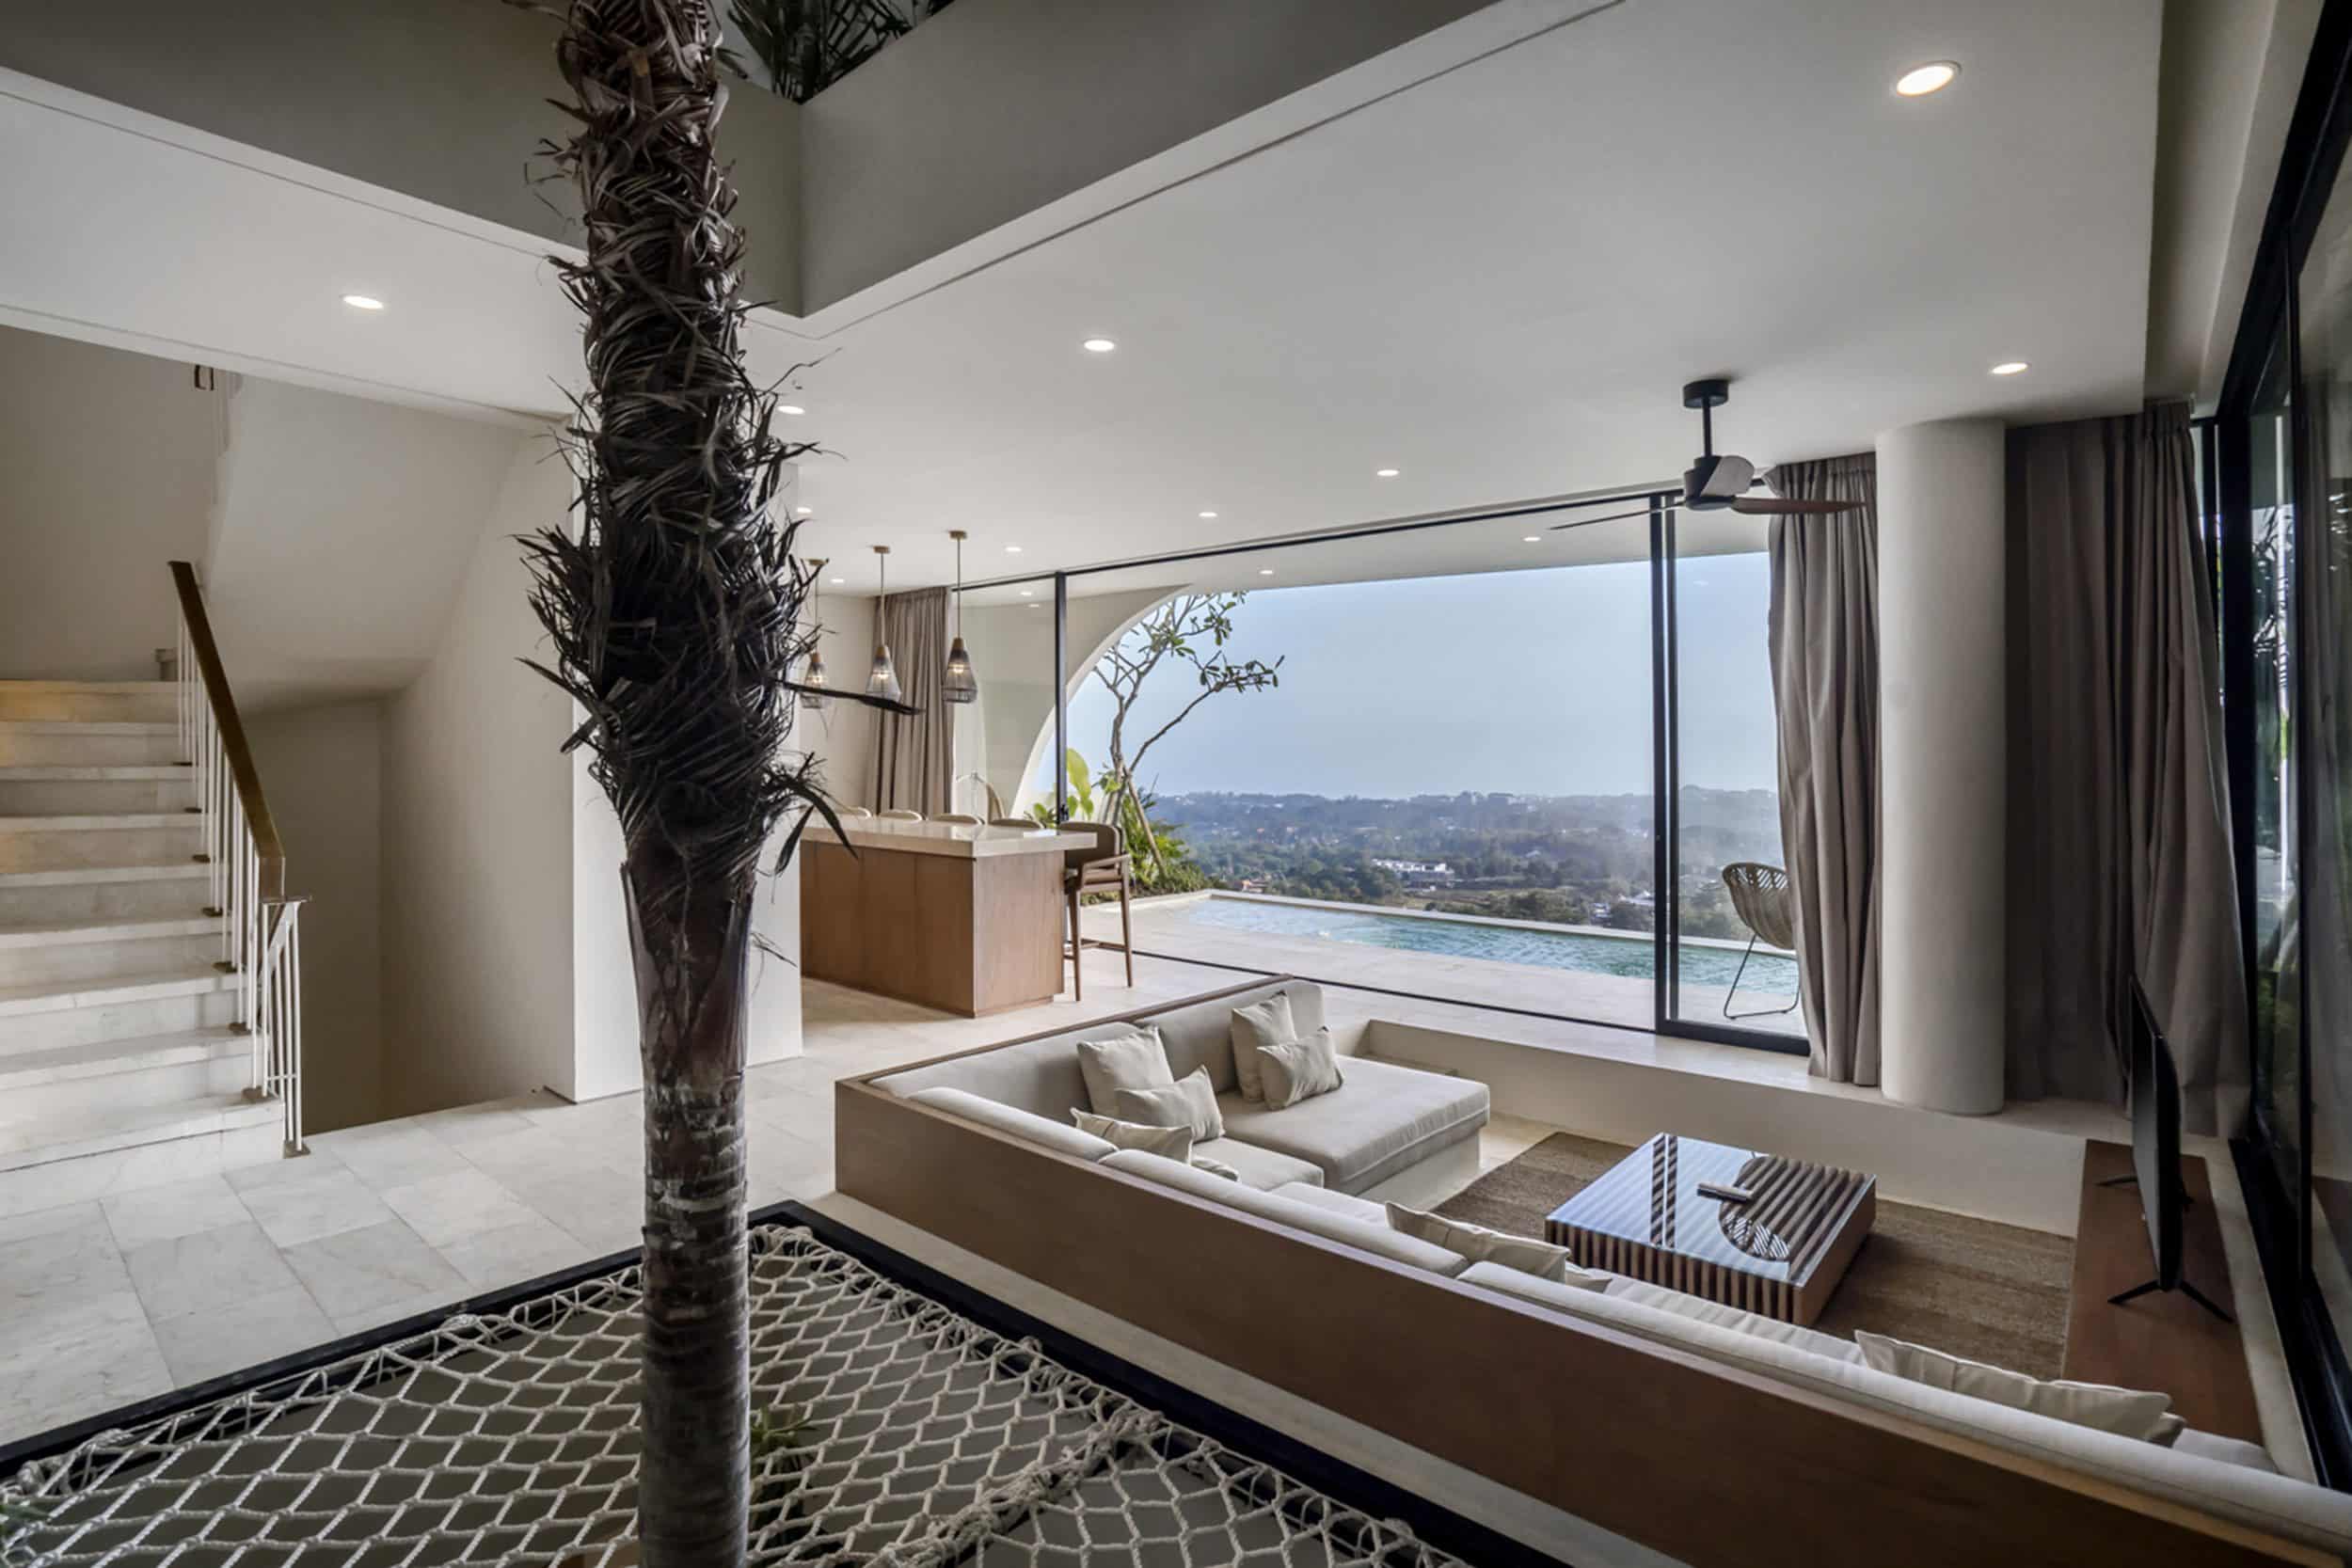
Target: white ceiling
x: 1495, y: 280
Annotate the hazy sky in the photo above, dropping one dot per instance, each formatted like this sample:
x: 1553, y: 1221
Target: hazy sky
x: 1526, y: 682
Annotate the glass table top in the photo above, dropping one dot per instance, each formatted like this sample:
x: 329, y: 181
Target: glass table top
x: 1651, y: 1197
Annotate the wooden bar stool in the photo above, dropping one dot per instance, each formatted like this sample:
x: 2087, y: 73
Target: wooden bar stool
x: 1100, y: 869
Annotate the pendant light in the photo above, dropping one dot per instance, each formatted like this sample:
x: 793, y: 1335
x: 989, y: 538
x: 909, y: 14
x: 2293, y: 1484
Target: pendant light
x: 815, y: 673
x: 958, y: 685
x: 883, y: 682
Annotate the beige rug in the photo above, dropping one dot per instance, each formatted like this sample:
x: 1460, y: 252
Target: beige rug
x: 1991, y: 1292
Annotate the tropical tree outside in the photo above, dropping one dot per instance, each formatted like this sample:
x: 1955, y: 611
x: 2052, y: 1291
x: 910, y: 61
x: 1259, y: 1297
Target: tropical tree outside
x: 1189, y: 634
x: 675, y: 615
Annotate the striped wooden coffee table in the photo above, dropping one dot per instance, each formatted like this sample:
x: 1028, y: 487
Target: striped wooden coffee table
x: 1779, y: 1254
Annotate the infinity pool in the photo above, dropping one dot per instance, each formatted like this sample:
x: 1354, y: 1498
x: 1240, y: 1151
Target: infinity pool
x: 1630, y: 955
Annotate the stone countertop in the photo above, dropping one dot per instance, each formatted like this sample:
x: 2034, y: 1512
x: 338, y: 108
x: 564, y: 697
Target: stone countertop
x: 956, y: 841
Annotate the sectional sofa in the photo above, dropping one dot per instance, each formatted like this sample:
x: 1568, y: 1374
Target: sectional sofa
x: 1586, y: 1398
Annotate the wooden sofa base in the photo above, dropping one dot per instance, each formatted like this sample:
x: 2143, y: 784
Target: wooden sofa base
x: 1705, y: 1463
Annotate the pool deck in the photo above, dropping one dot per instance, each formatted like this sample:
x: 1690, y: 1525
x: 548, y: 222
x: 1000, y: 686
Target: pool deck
x: 1163, y: 926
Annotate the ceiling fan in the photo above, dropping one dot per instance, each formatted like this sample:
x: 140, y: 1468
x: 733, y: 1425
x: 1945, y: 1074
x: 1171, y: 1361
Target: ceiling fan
x: 1718, y: 482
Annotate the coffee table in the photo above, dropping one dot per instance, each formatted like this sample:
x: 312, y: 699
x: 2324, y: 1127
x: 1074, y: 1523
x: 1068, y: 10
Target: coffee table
x: 1780, y: 1254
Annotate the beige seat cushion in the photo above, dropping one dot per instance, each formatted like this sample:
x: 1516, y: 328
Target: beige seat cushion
x: 1261, y: 1169
x: 1057, y: 1136
x: 1339, y: 1203
x: 1482, y: 1245
x: 1698, y: 1309
x: 1383, y: 1120
x: 1378, y: 1240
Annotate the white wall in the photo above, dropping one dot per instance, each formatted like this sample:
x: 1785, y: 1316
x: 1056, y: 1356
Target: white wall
x: 841, y: 735
x: 107, y: 472
x: 342, y: 531
x: 1012, y: 649
x: 321, y: 771
x: 477, y: 839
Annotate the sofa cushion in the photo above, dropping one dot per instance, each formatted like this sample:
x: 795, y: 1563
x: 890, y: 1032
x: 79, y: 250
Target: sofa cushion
x: 1260, y: 1167
x: 1200, y: 1036
x: 1264, y: 1023
x: 1039, y: 1076
x: 1059, y: 1136
x: 1378, y: 1240
x: 1699, y: 1309
x: 1383, y: 1120
x: 1127, y: 1057
x: 1482, y: 1245
x: 1337, y: 1202
x: 2244, y: 1494
x: 2142, y: 1413
x: 1175, y: 1142
x: 2226, y: 1450
x: 1189, y: 1101
x: 1298, y: 1069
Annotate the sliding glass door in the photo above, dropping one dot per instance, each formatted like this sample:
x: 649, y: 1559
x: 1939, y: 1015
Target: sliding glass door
x: 1725, y: 967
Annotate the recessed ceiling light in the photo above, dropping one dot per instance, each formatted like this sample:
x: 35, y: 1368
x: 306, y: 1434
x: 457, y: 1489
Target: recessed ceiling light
x: 1012, y: 549
x: 363, y: 302
x: 1921, y: 80
x: 1208, y: 515
x: 1265, y: 571
x: 802, y: 512
x: 840, y: 579
x: 1531, y: 538
x: 2011, y: 367
x: 1386, y: 473
x: 1098, y: 345
x: 790, y: 408
x: 1028, y: 592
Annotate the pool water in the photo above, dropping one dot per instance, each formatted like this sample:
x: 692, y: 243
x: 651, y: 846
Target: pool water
x: 1630, y: 955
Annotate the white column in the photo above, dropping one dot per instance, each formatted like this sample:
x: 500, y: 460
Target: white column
x: 1942, y: 759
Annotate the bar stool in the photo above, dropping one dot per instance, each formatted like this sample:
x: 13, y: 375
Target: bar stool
x: 958, y: 819
x: 902, y: 816
x: 850, y: 813
x: 1097, y: 868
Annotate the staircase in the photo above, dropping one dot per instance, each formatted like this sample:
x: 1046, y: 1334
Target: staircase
x: 148, y: 1012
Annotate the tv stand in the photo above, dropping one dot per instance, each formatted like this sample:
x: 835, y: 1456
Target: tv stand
x: 2186, y: 1289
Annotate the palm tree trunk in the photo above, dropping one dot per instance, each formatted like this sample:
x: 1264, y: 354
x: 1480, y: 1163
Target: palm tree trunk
x: 694, y: 1470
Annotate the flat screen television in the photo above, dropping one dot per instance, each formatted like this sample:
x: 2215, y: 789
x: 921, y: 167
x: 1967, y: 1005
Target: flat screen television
x: 2156, y: 1100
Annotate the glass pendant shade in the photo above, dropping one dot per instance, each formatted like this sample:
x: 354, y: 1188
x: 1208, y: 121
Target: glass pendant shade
x: 883, y: 682
x: 813, y: 675
x: 958, y: 685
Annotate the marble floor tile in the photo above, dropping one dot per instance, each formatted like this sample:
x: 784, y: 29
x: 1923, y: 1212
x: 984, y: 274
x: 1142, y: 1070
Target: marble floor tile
x: 545, y: 1150
x: 389, y: 1155
x: 605, y: 1214
x: 200, y: 1345
x: 515, y: 1253
x: 464, y: 1124
x: 51, y: 1279
x: 84, y: 1215
x: 183, y: 1208
x: 329, y: 1201
x: 204, y: 1271
x: 361, y: 1272
x: 103, y: 1358
x: 449, y: 1208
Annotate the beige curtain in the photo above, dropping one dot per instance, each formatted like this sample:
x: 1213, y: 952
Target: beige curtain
x: 914, y: 754
x: 2119, y: 817
x: 1825, y: 684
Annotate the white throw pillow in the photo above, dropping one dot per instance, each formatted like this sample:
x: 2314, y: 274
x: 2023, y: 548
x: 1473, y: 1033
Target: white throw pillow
x: 1264, y: 1023
x: 1173, y: 1143
x: 1190, y: 1101
x: 1299, y: 1069
x: 2125, y: 1412
x: 1216, y: 1167
x: 1482, y: 1245
x: 1133, y: 1060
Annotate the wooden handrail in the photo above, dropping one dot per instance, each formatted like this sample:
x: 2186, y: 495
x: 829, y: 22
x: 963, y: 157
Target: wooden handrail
x: 233, y: 745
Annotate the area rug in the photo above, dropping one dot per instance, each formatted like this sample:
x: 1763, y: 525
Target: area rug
x: 1991, y: 1292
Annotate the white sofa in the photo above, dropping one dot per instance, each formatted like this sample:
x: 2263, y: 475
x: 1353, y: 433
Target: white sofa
x: 1327, y: 1178
x: 1388, y: 1131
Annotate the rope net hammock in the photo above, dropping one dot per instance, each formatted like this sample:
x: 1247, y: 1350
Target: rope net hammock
x: 886, y: 1430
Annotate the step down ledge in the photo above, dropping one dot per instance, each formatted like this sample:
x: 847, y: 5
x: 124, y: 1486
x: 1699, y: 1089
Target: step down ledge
x: 25, y: 1144
x: 65, y: 995
x: 105, y: 1058
x: 82, y: 875
x: 98, y: 822
x: 128, y: 929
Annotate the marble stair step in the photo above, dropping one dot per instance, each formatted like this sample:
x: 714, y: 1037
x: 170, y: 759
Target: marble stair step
x: 28, y: 1145
x: 91, y: 701
x: 88, y: 743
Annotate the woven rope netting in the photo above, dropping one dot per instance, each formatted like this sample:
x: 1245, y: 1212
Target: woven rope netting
x: 887, y: 1430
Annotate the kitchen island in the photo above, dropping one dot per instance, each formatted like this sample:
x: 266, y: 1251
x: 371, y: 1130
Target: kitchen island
x: 965, y: 919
